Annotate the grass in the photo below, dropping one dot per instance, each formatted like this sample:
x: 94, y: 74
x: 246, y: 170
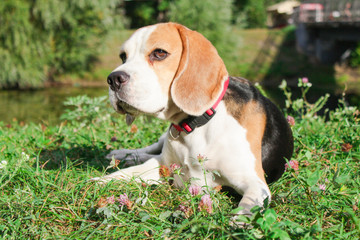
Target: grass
x: 45, y: 192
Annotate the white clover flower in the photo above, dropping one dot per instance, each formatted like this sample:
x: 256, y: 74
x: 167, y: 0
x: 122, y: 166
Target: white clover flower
x: 25, y: 156
x: 3, y: 164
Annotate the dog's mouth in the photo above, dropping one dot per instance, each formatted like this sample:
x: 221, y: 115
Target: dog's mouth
x: 131, y: 111
x: 125, y: 108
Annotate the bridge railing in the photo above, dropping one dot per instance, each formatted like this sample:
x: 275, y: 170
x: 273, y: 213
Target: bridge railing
x: 327, y: 11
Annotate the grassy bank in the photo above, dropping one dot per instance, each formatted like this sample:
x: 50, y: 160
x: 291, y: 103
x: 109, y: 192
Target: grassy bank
x: 45, y: 192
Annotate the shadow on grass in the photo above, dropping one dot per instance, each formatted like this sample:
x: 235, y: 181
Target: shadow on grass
x: 82, y: 156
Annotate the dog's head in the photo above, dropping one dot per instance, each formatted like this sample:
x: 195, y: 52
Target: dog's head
x: 167, y: 69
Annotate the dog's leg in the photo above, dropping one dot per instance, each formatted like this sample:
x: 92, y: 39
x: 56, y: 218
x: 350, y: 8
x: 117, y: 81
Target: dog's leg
x: 137, y: 156
x: 254, y: 194
x: 148, y: 171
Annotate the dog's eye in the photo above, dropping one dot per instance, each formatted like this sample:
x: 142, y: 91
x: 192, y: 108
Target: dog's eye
x: 158, y: 54
x: 123, y: 57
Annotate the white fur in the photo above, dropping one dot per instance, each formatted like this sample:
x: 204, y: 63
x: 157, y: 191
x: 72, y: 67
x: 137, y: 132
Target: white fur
x: 143, y: 90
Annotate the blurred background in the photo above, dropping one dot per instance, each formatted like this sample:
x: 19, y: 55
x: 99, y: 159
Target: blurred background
x: 54, y: 49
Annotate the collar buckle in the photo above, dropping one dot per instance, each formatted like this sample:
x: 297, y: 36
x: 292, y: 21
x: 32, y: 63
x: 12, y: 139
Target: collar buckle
x: 189, y: 124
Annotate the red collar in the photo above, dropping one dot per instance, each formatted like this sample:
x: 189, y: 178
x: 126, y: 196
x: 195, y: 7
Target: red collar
x: 189, y: 124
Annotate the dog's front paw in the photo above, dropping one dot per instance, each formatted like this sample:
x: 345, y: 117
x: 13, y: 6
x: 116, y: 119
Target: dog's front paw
x: 99, y: 180
x: 129, y: 158
x: 122, y: 154
x: 240, y: 221
x: 241, y: 218
x: 119, y: 175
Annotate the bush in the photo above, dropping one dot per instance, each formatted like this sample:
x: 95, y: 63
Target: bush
x: 40, y: 39
x: 251, y: 14
x: 211, y: 18
x: 255, y: 12
x: 355, y: 57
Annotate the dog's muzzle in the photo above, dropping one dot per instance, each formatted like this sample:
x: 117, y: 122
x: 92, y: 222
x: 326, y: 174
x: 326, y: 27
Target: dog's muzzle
x: 117, y: 79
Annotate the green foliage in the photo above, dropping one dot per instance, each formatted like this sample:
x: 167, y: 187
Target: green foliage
x: 211, y: 18
x: 45, y: 192
x: 355, y: 57
x: 301, y: 106
x: 251, y: 14
x: 39, y: 39
x: 141, y: 13
x: 243, y: 13
x: 23, y: 56
x: 86, y: 110
x: 202, y: 15
x: 255, y: 12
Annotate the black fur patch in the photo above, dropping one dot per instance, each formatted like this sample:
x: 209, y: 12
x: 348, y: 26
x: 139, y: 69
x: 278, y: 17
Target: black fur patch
x: 277, y: 142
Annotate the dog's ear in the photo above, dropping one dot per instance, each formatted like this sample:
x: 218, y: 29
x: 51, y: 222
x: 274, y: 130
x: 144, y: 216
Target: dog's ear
x: 201, y: 74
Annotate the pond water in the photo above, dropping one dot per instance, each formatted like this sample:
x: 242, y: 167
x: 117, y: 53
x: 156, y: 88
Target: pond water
x: 44, y: 105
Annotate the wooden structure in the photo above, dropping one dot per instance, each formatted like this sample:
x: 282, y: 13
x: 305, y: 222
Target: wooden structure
x: 280, y: 14
x: 326, y: 29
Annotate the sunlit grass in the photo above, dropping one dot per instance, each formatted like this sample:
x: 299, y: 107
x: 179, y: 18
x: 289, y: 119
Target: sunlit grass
x: 45, y: 192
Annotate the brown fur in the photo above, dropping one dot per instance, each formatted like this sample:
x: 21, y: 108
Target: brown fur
x: 252, y: 117
x: 165, y: 37
x: 254, y: 120
x: 200, y: 76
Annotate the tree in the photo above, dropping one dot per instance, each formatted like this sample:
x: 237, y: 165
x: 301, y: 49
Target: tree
x: 42, y: 38
x: 255, y: 12
x: 211, y: 18
x: 251, y: 14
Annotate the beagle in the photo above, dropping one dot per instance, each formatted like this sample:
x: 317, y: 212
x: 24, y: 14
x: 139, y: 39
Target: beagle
x: 176, y: 74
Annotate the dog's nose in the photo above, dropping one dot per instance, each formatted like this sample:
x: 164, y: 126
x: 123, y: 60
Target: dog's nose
x: 115, y: 79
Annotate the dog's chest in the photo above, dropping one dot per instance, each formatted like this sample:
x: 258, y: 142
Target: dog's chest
x: 196, y: 166
x: 213, y: 151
